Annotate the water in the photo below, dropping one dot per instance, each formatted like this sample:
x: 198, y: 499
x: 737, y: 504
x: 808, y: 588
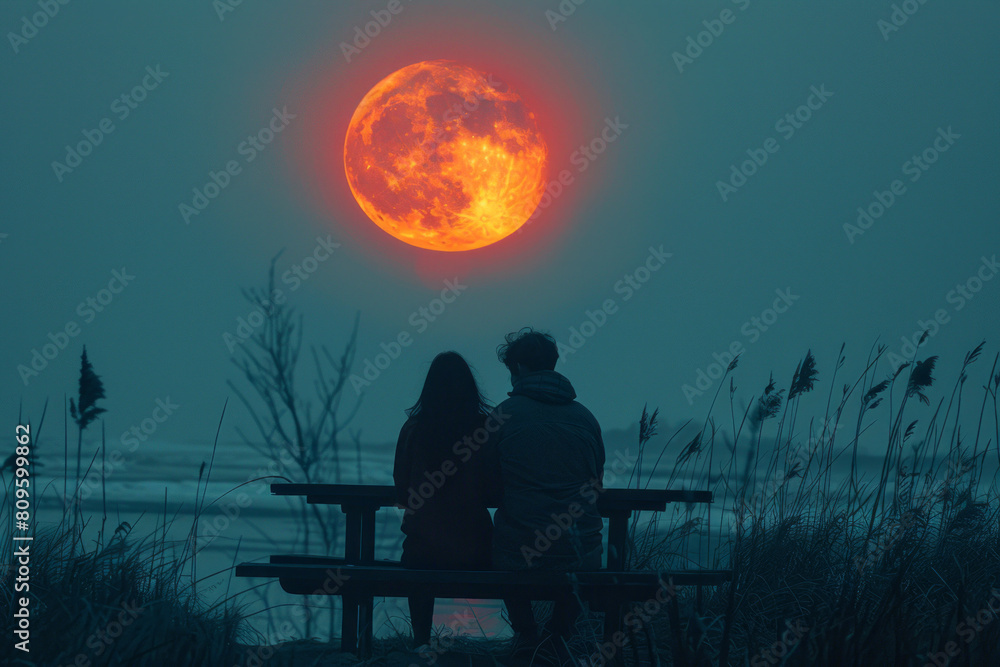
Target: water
x: 233, y: 529
x: 261, y: 524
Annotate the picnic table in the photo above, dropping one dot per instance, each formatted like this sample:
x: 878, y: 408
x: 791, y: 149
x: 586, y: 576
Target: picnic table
x: 361, y: 502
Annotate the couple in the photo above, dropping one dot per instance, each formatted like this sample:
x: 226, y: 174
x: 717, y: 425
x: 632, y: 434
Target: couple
x: 538, y: 457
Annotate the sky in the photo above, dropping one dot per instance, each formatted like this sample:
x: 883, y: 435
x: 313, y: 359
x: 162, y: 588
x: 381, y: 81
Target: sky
x: 779, y: 178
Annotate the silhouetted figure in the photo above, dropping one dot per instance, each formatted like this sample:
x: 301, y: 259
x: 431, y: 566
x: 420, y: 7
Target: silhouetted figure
x: 441, y: 481
x: 551, y: 458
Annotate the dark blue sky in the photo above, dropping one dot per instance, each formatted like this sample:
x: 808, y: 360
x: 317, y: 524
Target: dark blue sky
x: 821, y: 107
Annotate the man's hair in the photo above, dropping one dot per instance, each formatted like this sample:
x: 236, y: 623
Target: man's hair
x: 535, y: 350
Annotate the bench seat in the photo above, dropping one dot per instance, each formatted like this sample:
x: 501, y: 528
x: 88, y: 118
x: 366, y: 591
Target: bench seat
x: 606, y: 591
x: 305, y: 575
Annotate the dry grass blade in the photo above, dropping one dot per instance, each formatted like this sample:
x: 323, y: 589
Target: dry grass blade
x: 921, y: 377
x: 874, y: 392
x: 805, y: 376
x: 768, y: 404
x: 689, y: 450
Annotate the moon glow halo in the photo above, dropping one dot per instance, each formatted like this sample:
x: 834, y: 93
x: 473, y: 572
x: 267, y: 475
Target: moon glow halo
x: 444, y: 157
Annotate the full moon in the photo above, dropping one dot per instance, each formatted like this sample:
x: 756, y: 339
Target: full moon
x: 445, y: 157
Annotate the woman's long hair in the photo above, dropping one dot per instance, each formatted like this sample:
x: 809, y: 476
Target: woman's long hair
x: 450, y: 406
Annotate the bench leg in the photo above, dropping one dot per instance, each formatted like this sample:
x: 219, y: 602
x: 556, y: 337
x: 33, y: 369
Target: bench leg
x: 367, y: 531
x: 349, y: 625
x: 680, y: 650
x: 365, y: 630
x: 613, y: 626
x: 618, y: 540
x: 352, y: 541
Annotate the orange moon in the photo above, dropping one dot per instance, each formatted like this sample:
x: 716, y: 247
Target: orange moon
x: 444, y: 157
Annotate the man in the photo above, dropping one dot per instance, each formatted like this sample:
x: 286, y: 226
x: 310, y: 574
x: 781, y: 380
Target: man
x: 549, y: 454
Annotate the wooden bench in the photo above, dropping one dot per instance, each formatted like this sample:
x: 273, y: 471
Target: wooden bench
x: 358, y: 578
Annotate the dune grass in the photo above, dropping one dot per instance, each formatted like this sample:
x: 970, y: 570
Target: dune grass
x: 118, y: 599
x: 121, y: 603
x: 112, y: 597
x: 126, y: 599
x: 851, y: 572
x: 831, y: 566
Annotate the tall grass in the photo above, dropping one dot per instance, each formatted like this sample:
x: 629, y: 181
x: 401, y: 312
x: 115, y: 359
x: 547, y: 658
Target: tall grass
x: 118, y: 599
x: 874, y: 567
x: 97, y: 599
x: 131, y: 599
x: 881, y: 571
x: 124, y: 602
x: 834, y: 563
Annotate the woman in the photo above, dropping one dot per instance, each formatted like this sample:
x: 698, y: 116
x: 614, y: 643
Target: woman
x: 443, y: 489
